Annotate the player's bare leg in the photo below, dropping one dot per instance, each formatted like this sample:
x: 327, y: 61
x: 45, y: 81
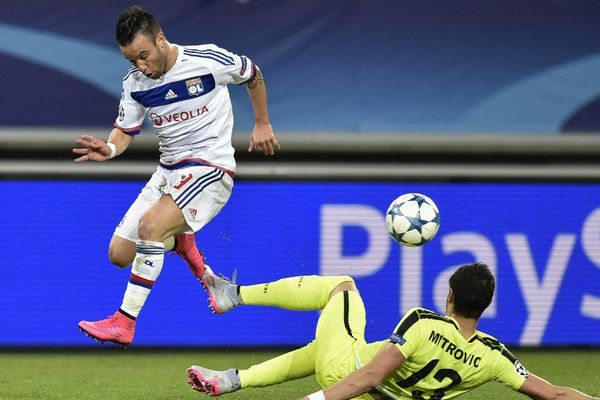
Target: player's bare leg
x: 162, y: 220
x: 121, y: 251
x: 155, y: 226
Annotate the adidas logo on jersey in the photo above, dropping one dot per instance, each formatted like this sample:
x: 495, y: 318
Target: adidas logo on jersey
x: 171, y: 95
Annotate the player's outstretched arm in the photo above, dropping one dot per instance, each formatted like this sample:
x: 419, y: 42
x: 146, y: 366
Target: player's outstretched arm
x: 540, y: 389
x: 97, y: 150
x: 366, y: 378
x: 262, y: 139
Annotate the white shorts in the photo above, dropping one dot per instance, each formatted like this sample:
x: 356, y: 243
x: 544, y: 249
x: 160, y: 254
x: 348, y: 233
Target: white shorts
x: 200, y: 192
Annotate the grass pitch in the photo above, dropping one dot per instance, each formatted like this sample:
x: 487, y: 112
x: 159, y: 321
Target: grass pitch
x: 138, y: 373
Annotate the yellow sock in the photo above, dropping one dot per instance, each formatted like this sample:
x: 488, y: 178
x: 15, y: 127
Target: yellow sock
x: 289, y: 366
x: 309, y: 292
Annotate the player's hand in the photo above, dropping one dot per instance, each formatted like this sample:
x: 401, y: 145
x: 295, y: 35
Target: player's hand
x: 91, y: 149
x: 263, y: 139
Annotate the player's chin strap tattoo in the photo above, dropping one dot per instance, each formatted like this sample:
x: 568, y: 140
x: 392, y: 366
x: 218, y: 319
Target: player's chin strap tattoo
x: 257, y: 80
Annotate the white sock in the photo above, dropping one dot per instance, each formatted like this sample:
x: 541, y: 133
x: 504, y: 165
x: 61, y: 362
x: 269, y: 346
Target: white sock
x: 145, y: 269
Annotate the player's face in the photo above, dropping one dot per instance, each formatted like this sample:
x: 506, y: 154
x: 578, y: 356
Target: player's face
x: 148, y: 54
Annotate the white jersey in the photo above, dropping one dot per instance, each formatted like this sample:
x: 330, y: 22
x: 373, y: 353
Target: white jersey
x: 189, y: 106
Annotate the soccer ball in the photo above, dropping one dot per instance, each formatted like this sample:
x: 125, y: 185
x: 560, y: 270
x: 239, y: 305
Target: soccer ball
x: 412, y: 219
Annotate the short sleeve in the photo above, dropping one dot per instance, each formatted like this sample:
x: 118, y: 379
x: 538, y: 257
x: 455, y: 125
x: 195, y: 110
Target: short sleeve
x: 131, y: 113
x: 228, y: 67
x: 407, y: 334
x: 510, y: 371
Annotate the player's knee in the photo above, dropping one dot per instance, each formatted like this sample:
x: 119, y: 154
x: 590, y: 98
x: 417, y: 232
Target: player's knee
x: 347, y: 284
x: 119, y: 258
x: 147, y: 227
x: 121, y: 251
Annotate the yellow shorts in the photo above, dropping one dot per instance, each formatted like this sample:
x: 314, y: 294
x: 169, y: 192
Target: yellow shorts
x: 340, y: 331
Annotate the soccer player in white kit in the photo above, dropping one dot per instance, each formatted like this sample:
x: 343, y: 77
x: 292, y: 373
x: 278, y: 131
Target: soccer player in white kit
x: 183, y: 89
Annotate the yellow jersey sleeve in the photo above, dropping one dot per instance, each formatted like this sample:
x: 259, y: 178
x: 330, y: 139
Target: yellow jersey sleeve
x: 408, y: 335
x: 509, y: 370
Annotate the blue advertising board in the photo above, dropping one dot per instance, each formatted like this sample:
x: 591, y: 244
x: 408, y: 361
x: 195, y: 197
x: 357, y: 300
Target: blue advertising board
x: 541, y: 240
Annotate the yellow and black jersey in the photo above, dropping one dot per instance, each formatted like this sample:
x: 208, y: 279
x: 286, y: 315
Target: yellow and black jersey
x: 440, y: 362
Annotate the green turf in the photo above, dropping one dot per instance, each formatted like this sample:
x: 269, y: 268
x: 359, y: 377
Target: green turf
x: 160, y: 374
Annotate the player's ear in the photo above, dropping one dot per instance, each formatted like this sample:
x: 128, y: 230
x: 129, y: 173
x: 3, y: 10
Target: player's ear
x: 160, y: 39
x: 450, y: 302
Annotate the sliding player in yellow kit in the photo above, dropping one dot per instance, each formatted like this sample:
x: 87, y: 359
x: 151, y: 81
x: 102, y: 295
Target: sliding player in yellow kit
x: 428, y: 356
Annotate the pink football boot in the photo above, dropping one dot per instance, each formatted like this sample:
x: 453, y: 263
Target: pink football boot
x: 186, y: 249
x: 213, y: 383
x: 117, y: 329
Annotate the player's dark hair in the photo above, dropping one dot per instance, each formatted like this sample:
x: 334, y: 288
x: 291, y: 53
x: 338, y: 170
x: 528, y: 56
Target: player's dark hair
x: 133, y: 21
x: 473, y: 286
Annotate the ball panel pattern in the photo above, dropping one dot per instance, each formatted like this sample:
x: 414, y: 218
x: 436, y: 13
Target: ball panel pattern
x: 412, y: 219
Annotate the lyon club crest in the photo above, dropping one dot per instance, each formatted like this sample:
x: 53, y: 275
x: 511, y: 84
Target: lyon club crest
x: 194, y: 86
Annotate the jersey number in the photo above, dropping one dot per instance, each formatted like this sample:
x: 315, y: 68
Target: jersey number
x: 440, y: 375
